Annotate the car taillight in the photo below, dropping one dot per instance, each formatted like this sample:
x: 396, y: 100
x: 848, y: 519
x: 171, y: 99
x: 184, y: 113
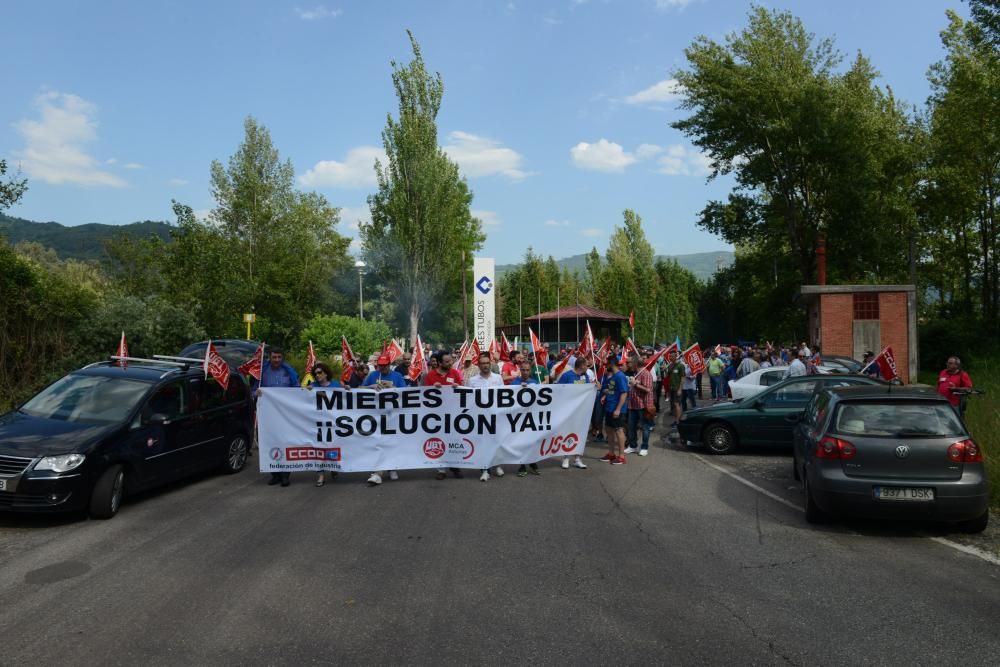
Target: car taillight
x: 835, y: 448
x: 965, y: 451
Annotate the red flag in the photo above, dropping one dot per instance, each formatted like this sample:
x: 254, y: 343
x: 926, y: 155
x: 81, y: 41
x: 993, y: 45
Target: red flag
x: 505, y: 347
x: 254, y: 365
x: 310, y: 360
x: 664, y: 351
x: 216, y: 366
x: 541, y: 353
x: 586, y: 347
x: 345, y: 350
x: 694, y: 359
x: 122, y: 352
x: 629, y: 350
x: 418, y: 362
x: 494, y: 350
x: 886, y: 361
x: 459, y: 361
x: 475, y: 351
x: 631, y: 319
x: 718, y: 348
x: 394, y: 351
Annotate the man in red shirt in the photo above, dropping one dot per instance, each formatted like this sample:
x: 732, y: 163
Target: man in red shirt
x: 640, y: 397
x: 951, y: 378
x: 512, y: 369
x: 444, y: 375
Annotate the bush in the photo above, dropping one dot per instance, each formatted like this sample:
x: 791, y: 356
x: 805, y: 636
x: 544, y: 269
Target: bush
x: 364, y: 336
x: 940, y: 339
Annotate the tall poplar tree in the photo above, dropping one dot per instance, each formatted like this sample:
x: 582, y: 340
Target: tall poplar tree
x: 421, y: 222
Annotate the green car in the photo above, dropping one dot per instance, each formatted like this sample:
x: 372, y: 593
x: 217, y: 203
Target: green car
x: 766, y: 419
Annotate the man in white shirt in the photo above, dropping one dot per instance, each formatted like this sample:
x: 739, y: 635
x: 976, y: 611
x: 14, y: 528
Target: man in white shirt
x: 486, y: 378
x: 797, y: 368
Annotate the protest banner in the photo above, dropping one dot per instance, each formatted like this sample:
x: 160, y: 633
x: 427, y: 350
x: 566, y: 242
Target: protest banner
x: 420, y: 427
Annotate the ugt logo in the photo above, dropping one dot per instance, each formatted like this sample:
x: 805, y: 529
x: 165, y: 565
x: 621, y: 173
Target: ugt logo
x: 484, y: 285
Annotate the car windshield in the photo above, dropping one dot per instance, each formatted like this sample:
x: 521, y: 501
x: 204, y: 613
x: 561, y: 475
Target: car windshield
x: 898, y: 419
x: 88, y: 399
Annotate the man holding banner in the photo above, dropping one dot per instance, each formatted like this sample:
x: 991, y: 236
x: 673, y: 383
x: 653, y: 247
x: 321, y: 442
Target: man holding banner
x: 486, y: 378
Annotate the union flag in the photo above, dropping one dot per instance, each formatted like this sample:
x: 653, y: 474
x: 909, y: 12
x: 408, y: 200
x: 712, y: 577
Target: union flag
x: 216, y: 366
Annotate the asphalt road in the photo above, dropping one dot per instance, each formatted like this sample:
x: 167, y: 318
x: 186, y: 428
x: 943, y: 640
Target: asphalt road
x: 665, y: 560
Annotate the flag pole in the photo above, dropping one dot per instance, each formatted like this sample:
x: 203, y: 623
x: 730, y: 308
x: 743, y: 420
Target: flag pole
x: 656, y: 320
x: 558, y: 329
x: 578, y: 312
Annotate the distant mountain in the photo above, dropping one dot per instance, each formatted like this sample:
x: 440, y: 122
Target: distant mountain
x: 80, y: 241
x: 702, y: 264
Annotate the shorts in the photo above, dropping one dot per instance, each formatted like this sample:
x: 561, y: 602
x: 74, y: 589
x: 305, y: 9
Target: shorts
x: 614, y: 422
x: 675, y: 399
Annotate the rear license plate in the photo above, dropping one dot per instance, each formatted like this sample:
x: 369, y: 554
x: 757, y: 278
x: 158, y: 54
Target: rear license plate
x: 903, y: 493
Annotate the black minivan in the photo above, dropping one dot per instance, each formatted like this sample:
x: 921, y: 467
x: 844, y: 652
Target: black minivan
x: 103, y: 431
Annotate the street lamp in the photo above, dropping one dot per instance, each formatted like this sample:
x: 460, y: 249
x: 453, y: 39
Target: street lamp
x: 360, y: 266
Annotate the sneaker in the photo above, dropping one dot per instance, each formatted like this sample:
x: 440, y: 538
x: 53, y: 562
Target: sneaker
x: 619, y: 461
x: 440, y: 474
x: 273, y: 481
x: 643, y: 452
x: 499, y: 472
x: 565, y: 464
x: 607, y: 457
x: 375, y: 479
x: 579, y: 464
x: 393, y: 475
x: 484, y: 477
x: 631, y: 450
x: 534, y: 471
x: 522, y: 473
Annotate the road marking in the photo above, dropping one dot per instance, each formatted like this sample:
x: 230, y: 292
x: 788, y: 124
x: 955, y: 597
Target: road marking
x: 971, y: 551
x: 746, y: 482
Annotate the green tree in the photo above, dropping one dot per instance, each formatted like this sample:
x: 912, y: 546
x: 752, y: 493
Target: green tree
x: 364, y: 336
x: 813, y: 151
x: 12, y: 189
x: 421, y: 224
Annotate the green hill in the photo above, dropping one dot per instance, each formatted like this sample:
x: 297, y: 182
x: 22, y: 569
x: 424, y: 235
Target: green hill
x: 84, y: 242
x: 702, y: 264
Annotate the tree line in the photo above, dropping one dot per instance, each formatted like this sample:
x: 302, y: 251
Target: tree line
x: 819, y: 151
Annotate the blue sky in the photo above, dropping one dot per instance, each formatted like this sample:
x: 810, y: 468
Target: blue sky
x: 557, y: 112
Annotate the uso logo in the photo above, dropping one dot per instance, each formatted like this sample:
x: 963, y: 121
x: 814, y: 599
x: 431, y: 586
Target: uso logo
x: 559, y: 443
x: 434, y: 448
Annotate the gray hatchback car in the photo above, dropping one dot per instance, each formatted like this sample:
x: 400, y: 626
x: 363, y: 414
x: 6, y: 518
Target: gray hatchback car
x: 889, y: 452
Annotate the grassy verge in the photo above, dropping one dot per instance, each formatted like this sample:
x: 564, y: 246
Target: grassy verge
x: 983, y: 417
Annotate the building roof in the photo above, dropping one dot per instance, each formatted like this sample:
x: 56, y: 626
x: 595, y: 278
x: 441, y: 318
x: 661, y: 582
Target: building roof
x: 578, y: 310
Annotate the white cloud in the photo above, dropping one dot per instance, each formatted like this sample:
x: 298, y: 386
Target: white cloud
x: 488, y: 218
x: 557, y: 223
x: 551, y: 20
x: 356, y: 171
x: 111, y: 160
x: 667, y: 5
x: 354, y: 216
x: 601, y: 156
x: 178, y: 181
x: 355, y: 245
x: 593, y: 231
x: 54, y: 144
x: 481, y: 156
x: 646, y: 151
x: 202, y: 213
x: 667, y: 90
x: 317, y: 12
x: 133, y: 165
x: 680, y: 160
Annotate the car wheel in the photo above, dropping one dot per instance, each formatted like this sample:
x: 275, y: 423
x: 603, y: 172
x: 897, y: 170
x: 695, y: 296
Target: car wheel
x: 719, y: 439
x: 108, y: 493
x: 236, y: 454
x: 976, y: 525
x: 813, y: 512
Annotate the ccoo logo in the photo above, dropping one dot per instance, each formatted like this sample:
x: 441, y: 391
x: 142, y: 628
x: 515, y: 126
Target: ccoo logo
x: 484, y: 285
x: 275, y: 453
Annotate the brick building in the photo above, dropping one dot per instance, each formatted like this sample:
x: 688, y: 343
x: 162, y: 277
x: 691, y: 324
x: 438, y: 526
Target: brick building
x: 849, y: 319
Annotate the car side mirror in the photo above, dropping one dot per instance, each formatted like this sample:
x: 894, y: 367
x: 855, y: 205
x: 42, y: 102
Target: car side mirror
x: 159, y: 419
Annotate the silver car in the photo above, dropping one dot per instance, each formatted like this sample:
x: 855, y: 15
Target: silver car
x: 889, y: 452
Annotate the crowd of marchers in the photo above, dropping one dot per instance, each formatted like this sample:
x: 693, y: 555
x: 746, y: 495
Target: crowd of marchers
x: 631, y: 387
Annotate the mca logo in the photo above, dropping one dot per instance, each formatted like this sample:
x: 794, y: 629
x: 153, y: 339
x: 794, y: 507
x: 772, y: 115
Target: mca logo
x: 484, y: 285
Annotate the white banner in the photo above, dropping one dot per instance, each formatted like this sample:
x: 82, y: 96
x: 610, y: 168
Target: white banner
x: 421, y: 427
x: 483, y: 289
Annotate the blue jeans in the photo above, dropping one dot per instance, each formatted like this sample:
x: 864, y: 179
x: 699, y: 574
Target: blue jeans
x: 688, y: 395
x: 637, y: 418
x: 716, y: 381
